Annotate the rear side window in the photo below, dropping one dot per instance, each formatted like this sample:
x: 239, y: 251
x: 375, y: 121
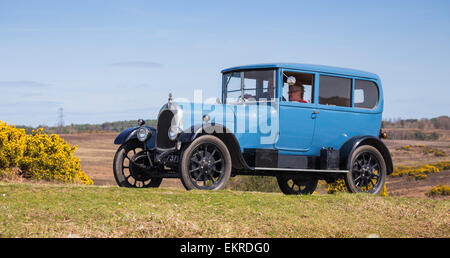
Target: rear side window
x: 366, y: 94
x: 335, y: 91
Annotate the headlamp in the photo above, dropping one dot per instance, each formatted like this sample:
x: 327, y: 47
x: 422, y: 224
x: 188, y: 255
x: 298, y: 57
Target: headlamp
x: 143, y: 133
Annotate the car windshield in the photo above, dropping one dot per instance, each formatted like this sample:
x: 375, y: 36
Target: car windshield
x: 255, y: 85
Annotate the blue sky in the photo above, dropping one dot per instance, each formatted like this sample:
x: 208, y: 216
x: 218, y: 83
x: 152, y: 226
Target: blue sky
x: 117, y: 60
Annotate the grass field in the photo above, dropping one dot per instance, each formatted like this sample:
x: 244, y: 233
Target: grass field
x: 36, y: 209
x: 51, y: 210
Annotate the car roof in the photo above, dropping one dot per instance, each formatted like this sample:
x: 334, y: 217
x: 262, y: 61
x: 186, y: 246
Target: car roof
x: 307, y: 67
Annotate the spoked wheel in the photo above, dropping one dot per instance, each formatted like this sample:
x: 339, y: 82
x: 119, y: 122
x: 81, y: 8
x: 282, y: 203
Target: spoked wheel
x: 205, y: 164
x: 368, y: 171
x: 292, y: 185
x: 131, y: 167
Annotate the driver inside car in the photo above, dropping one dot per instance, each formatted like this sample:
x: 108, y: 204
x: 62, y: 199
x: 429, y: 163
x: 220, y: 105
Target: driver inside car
x: 296, y: 93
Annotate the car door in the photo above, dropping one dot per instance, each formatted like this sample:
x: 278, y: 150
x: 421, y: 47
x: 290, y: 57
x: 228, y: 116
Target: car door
x: 337, y: 120
x: 296, y: 119
x: 340, y: 120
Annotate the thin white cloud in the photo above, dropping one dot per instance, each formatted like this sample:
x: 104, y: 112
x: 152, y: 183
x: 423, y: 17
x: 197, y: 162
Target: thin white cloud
x: 138, y: 64
x: 21, y: 84
x: 29, y: 105
x: 35, y: 94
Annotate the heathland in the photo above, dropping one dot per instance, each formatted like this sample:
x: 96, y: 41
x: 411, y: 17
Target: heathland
x: 419, y: 148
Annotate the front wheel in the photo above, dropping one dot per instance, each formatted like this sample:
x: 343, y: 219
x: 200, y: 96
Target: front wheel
x: 205, y: 164
x: 130, y: 163
x: 292, y: 185
x: 367, y: 171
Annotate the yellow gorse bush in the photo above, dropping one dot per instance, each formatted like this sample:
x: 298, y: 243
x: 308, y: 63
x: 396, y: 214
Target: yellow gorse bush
x: 417, y: 172
x: 425, y: 149
x: 405, y: 148
x: 339, y: 186
x: 40, y: 156
x: 439, y: 190
x: 443, y: 165
x: 12, y: 144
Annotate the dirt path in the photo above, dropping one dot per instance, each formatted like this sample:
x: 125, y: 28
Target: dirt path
x: 403, y: 186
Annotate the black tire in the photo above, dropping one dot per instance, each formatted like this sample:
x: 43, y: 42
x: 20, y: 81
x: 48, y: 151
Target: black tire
x: 367, y: 171
x: 205, y: 161
x: 124, y: 174
x: 292, y: 185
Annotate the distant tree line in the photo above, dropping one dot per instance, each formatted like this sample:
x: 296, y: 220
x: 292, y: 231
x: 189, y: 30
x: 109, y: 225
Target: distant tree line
x: 117, y: 126
x: 414, y: 129
x: 413, y: 134
x: 442, y: 122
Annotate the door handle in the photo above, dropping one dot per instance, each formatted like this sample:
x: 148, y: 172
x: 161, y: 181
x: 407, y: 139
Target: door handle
x: 314, y: 114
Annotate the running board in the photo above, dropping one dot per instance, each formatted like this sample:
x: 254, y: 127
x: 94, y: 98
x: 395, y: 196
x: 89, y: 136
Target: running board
x: 302, y: 170
x: 269, y: 159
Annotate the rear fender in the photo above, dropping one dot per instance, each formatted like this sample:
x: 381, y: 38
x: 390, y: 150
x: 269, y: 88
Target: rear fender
x: 348, y: 148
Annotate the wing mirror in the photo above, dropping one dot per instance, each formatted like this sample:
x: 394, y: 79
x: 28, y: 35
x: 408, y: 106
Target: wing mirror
x: 141, y: 122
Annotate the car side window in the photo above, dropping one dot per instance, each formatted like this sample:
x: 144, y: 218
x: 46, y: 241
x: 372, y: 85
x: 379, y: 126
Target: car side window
x: 335, y: 91
x: 233, y: 83
x: 366, y: 94
x: 301, y: 91
x: 259, y: 85
x: 253, y: 85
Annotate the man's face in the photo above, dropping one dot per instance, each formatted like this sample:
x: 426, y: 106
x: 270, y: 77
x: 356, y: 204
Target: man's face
x: 295, y: 95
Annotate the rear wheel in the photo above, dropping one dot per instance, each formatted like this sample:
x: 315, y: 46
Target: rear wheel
x: 367, y: 171
x: 292, y: 185
x: 131, y: 167
x: 205, y: 164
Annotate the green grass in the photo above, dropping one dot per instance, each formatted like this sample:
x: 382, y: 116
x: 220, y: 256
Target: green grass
x: 48, y: 210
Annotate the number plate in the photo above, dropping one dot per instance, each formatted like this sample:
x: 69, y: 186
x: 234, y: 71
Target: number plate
x: 172, y: 158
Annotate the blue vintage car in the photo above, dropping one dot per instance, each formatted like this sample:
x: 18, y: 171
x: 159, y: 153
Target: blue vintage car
x: 300, y: 123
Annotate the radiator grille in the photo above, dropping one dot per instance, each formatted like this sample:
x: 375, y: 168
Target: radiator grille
x: 162, y: 137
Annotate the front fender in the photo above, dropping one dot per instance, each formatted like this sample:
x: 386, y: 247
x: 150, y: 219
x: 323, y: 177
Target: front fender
x: 130, y: 133
x: 225, y: 135
x: 347, y: 149
x: 193, y: 132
